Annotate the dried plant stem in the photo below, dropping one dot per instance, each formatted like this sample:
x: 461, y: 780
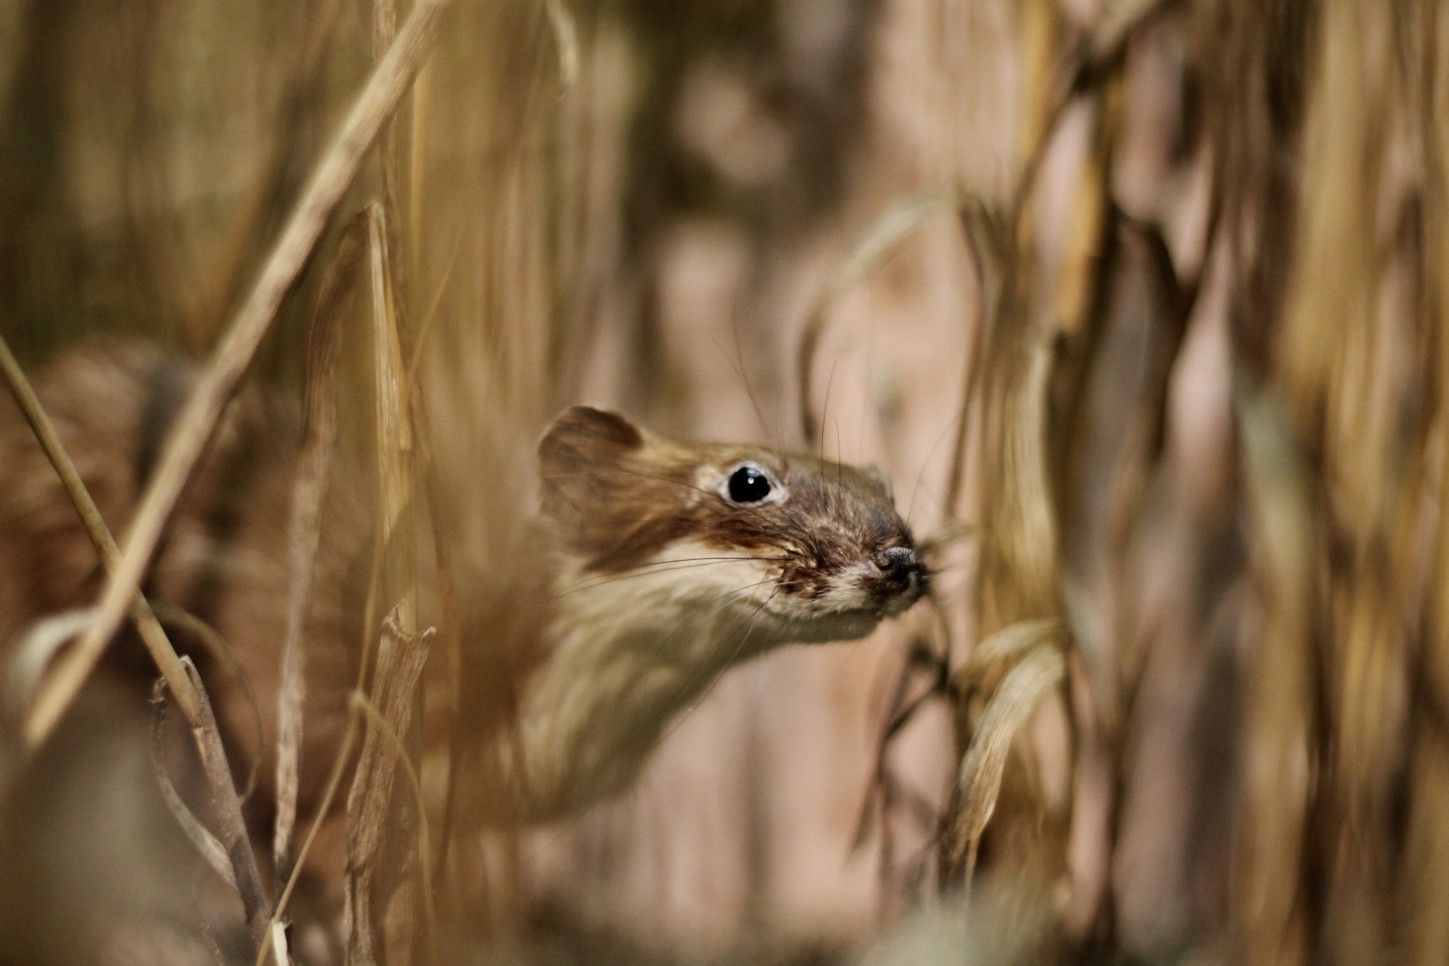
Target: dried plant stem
x: 232, y: 827
x: 372, y: 836
x: 370, y: 803
x: 396, y: 742
x: 566, y: 34
x: 390, y: 159
x: 208, y: 846
x: 318, y: 437
x: 393, y: 408
x: 883, y: 237
x: 198, y: 420
x: 392, y: 423
x: 152, y: 634
x: 220, y: 648
x: 329, y: 795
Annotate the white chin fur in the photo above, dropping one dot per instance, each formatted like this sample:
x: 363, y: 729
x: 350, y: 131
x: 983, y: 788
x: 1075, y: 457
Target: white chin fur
x: 633, y: 649
x: 847, y: 625
x: 698, y: 584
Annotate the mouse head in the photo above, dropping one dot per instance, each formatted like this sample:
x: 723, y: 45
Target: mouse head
x: 814, y: 546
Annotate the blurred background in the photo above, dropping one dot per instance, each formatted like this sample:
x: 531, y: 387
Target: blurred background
x: 1139, y: 304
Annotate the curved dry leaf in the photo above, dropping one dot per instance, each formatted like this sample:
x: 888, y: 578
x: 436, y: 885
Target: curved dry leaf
x: 1009, y: 642
x: 220, y: 648
x: 319, y: 436
x: 878, y: 240
x: 566, y: 35
x: 1031, y: 540
x: 35, y: 651
x: 884, y: 234
x: 207, y: 845
x: 979, y: 782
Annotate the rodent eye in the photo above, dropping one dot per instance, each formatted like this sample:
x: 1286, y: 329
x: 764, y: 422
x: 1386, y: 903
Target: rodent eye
x: 748, y: 484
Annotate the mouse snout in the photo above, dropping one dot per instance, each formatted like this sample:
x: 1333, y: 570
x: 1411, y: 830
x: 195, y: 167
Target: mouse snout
x: 901, y: 569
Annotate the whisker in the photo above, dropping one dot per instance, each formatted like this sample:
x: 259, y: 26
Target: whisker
x: 824, y: 415
x: 737, y: 363
x: 716, y: 603
x: 839, y: 455
x: 921, y: 476
x: 750, y: 627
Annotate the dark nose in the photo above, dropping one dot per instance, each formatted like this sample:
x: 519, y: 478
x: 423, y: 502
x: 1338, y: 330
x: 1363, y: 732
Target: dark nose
x: 900, y: 568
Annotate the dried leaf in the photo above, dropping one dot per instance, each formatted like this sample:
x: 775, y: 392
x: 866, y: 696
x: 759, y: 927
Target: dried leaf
x: 1015, y: 700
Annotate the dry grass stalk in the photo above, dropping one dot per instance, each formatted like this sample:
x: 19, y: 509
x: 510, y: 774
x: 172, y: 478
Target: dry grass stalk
x: 382, y: 888
x: 1339, y: 414
x: 373, y: 884
x: 1426, y: 872
x: 207, y: 845
x: 221, y: 650
x: 227, y: 804
x: 198, y: 420
x: 414, y: 888
x: 390, y: 160
x: 319, y: 434
x: 395, y: 428
x: 334, y: 783
x: 1278, y: 765
x: 1026, y: 405
x: 1354, y: 385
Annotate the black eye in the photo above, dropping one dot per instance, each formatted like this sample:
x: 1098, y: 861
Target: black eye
x: 748, y: 485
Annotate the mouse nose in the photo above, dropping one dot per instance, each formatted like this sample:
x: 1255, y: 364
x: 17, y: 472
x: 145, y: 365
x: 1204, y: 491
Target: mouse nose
x: 900, y: 568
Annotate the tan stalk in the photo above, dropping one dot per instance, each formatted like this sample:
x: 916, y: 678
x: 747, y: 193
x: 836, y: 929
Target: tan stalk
x: 198, y: 420
x: 319, y: 435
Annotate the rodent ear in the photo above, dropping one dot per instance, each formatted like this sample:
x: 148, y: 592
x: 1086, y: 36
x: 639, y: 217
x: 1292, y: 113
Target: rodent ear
x: 590, y: 433
x: 582, y: 443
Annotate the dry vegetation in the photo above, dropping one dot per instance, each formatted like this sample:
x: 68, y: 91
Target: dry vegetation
x: 1138, y: 302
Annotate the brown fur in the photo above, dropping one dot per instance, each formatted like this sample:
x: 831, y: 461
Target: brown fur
x: 221, y: 560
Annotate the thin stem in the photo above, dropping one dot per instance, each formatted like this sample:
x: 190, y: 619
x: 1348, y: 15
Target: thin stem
x: 198, y: 420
